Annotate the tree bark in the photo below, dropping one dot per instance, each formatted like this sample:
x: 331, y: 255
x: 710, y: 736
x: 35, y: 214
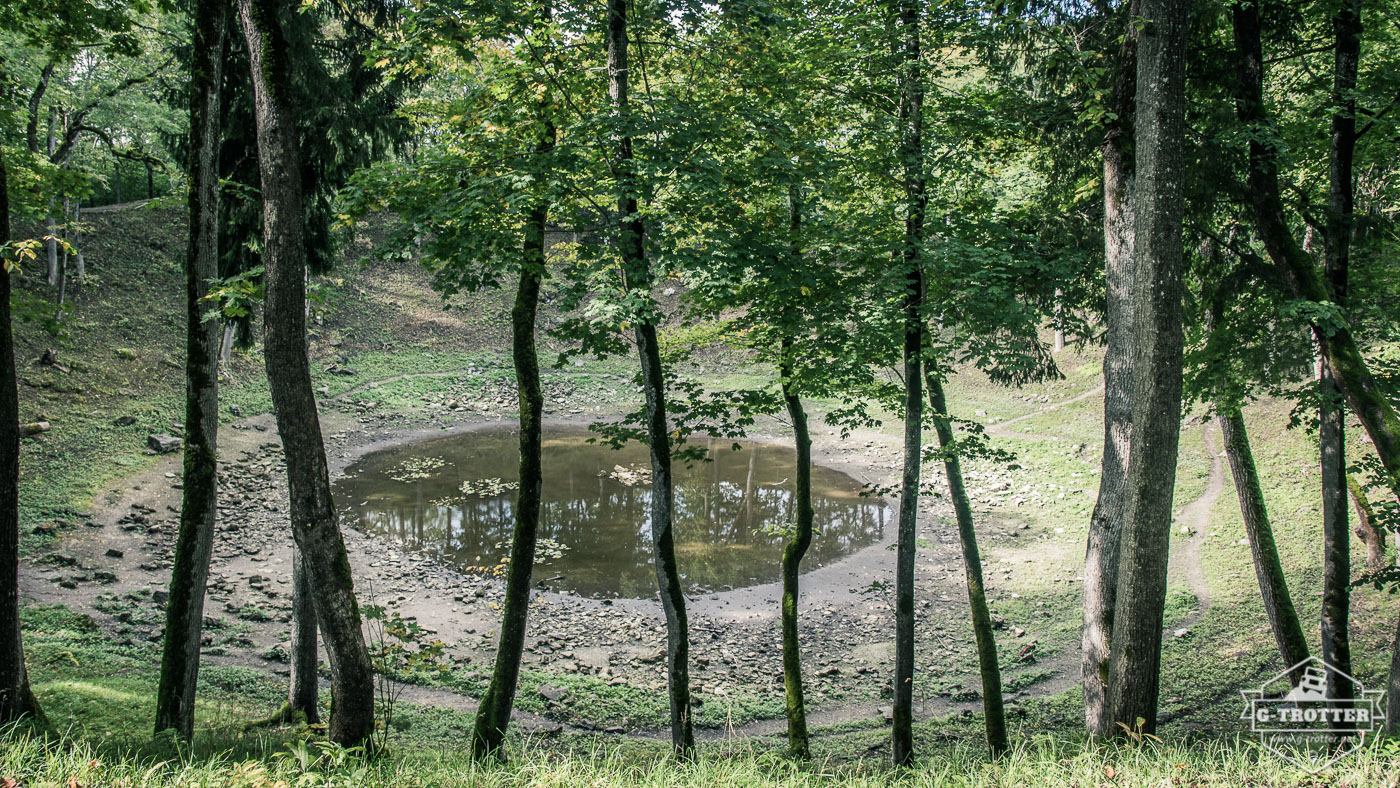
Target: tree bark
x: 1392, y: 694
x: 303, y: 683
x: 1366, y: 530
x: 16, y: 700
x: 911, y: 99
x: 1106, y: 522
x: 1339, y: 349
x: 1135, y: 648
x: 638, y: 278
x: 315, y: 524
x: 987, y: 663
x: 793, y: 552
x: 1273, y: 584
x: 494, y: 714
x: 194, y: 543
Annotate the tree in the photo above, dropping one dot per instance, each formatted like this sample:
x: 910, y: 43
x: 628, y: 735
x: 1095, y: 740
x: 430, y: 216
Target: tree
x: 16, y: 700
x: 1106, y: 522
x: 637, y: 281
x: 184, y: 612
x: 315, y: 524
x: 910, y: 262
x: 1158, y: 206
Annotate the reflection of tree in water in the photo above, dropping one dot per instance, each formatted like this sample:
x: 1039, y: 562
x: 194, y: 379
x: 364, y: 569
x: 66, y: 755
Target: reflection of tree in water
x: 722, y: 508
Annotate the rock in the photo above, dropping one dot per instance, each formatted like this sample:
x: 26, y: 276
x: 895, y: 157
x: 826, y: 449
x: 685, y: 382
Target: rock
x: 1181, y: 633
x: 114, y: 553
x: 33, y: 428
x: 552, y: 693
x: 104, y: 577
x: 160, y: 597
x: 887, y: 712
x: 164, y: 444
x: 125, y: 421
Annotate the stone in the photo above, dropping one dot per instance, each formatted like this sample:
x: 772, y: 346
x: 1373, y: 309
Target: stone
x: 552, y: 693
x: 114, y: 553
x: 164, y: 444
x: 125, y: 421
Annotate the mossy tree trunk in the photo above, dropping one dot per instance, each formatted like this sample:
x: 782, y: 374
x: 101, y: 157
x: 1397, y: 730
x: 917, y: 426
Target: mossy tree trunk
x: 315, y: 524
x: 1336, y: 530
x: 1134, y: 671
x: 793, y: 552
x: 302, y: 683
x: 1106, y: 522
x: 988, y: 664
x: 494, y: 713
x: 194, y: 544
x: 1273, y: 584
x: 16, y: 700
x: 911, y: 101
x: 638, y: 279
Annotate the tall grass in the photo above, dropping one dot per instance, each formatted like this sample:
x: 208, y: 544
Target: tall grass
x: 1040, y: 763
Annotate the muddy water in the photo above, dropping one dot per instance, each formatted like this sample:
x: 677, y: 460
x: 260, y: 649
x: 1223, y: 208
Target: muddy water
x: 454, y: 497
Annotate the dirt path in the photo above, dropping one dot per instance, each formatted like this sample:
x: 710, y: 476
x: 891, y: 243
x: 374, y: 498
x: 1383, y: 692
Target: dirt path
x: 1186, y: 560
x: 1000, y: 429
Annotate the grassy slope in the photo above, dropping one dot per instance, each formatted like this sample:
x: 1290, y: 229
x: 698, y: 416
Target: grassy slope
x: 123, y: 351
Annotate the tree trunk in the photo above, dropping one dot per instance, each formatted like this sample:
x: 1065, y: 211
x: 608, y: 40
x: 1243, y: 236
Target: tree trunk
x: 51, y: 246
x: 303, y: 684
x: 117, y: 180
x: 1059, y: 321
x: 987, y: 662
x: 315, y: 524
x: 1273, y: 584
x: 494, y: 714
x: 911, y: 101
x: 793, y: 552
x: 1106, y: 522
x: 1339, y: 349
x: 1336, y: 531
x: 81, y: 273
x: 194, y: 543
x: 1135, y: 648
x: 638, y: 279
x: 1392, y: 694
x: 1366, y: 530
x: 16, y: 700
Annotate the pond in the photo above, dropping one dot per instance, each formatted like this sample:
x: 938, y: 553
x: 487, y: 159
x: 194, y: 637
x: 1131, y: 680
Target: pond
x: 453, y: 498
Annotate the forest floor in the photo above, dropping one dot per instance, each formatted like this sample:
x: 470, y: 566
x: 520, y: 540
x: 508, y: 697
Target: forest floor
x: 392, y: 366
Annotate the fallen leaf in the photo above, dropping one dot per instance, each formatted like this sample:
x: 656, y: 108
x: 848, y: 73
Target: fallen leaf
x: 1108, y: 772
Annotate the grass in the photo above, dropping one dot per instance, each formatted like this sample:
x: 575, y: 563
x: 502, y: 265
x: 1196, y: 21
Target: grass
x: 1043, y: 761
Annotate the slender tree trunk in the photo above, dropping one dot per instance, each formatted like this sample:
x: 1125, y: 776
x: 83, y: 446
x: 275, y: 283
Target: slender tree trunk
x: 1106, y: 522
x: 51, y: 246
x: 494, y: 714
x: 987, y: 663
x: 194, y: 543
x: 1135, y: 650
x: 1059, y: 320
x: 16, y: 700
x: 1366, y: 530
x: 1273, y: 584
x: 315, y: 524
x: 1336, y: 531
x: 117, y: 180
x: 1343, y: 357
x: 911, y: 100
x: 150, y: 181
x: 1392, y: 694
x: 78, y: 223
x: 303, y: 687
x: 63, y: 264
x: 638, y: 279
x: 793, y: 552
x: 226, y: 343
